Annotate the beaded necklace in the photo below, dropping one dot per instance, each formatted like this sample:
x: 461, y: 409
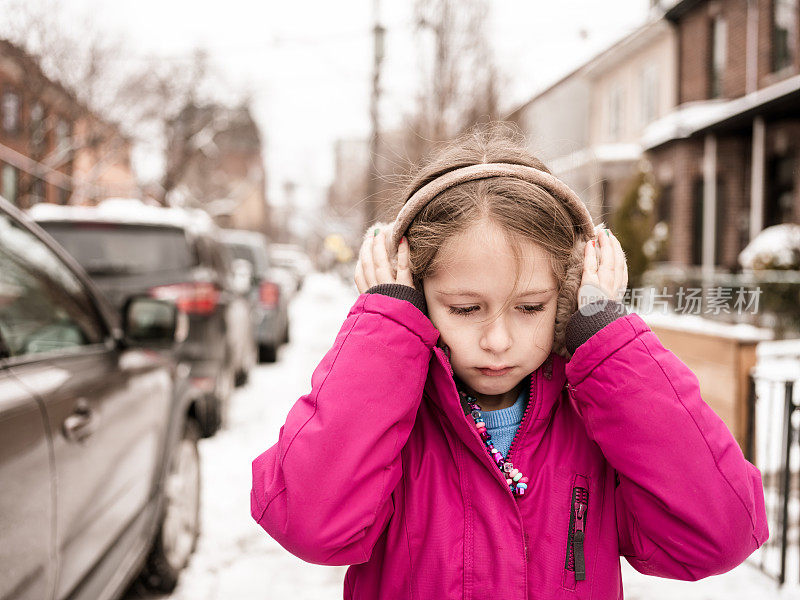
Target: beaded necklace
x: 517, y: 482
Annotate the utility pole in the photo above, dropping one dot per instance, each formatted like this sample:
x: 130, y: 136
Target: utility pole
x: 372, y: 200
x: 440, y: 24
x: 286, y: 233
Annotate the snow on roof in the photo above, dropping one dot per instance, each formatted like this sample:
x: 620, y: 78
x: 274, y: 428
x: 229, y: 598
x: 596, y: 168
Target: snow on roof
x: 695, y: 324
x: 692, y: 117
x: 775, y: 247
x: 778, y: 360
x: 598, y: 153
x: 287, y: 250
x: 243, y: 236
x: 618, y: 152
x: 779, y: 349
x: 683, y: 122
x: 124, y: 210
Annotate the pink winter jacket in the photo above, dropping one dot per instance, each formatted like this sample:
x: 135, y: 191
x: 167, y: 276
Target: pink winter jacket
x: 379, y: 468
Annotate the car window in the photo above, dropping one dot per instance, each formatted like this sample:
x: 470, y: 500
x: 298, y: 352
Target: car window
x: 43, y: 305
x: 220, y: 259
x: 119, y: 249
x: 203, y: 250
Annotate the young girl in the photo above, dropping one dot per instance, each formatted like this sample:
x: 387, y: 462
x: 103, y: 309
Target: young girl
x: 490, y: 422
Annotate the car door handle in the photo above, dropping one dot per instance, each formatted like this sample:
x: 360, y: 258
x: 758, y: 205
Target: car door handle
x: 81, y: 423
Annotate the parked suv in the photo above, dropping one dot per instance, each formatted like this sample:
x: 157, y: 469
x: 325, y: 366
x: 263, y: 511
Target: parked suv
x: 98, y: 438
x: 128, y: 247
x: 269, y: 297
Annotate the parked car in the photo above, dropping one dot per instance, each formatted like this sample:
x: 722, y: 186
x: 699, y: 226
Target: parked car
x: 244, y: 347
x: 98, y: 436
x: 292, y: 258
x: 128, y: 247
x: 269, y: 294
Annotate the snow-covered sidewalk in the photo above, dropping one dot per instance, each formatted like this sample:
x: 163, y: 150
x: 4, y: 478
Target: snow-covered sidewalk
x: 237, y: 560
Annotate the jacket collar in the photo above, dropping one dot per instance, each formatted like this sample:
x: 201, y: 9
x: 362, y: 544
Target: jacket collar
x: 547, y: 382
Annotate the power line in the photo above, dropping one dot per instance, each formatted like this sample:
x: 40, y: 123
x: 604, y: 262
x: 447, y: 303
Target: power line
x: 276, y: 41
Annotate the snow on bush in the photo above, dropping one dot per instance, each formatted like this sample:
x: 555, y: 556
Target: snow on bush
x: 776, y: 247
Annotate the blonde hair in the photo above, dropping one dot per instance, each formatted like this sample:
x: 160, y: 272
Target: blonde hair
x: 523, y: 211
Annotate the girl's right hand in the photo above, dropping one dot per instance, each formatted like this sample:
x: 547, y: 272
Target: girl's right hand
x: 373, y: 266
x: 605, y: 272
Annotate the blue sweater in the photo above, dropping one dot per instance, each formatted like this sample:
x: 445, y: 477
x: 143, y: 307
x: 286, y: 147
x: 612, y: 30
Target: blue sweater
x: 502, y: 424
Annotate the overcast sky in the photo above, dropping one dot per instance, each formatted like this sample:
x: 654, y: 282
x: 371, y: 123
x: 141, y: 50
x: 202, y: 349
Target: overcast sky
x: 308, y: 64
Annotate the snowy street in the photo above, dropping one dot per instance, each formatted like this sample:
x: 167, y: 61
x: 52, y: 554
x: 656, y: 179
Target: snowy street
x: 235, y: 559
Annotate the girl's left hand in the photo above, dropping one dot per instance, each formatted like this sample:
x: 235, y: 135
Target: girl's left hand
x: 605, y: 271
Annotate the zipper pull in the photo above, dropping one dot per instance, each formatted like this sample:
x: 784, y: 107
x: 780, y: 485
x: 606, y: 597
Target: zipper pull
x: 577, y: 542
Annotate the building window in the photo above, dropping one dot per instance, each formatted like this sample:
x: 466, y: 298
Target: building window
x: 37, y: 191
x: 698, y: 218
x: 784, y: 33
x: 10, y: 183
x: 664, y: 205
x: 63, y: 135
x: 615, y: 113
x: 37, y: 127
x: 719, y: 41
x: 697, y: 222
x: 720, y: 221
x: 779, y: 198
x: 663, y: 226
x: 11, y: 107
x: 649, y: 94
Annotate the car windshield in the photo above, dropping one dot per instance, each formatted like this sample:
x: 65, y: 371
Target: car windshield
x: 116, y: 249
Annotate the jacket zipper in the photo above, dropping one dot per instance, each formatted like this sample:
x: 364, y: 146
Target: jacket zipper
x: 443, y: 359
x: 577, y: 533
x: 524, y: 417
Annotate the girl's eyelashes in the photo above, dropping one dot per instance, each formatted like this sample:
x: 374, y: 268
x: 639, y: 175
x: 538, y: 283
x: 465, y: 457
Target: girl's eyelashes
x: 462, y: 310
x: 524, y: 308
x: 532, y: 308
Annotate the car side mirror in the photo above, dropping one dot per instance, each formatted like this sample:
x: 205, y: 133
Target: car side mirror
x: 151, y: 322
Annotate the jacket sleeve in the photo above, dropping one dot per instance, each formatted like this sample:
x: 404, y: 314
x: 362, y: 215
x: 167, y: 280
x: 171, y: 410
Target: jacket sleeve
x: 688, y: 505
x: 323, y: 491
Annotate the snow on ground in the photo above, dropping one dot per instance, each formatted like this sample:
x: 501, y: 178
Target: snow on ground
x: 236, y: 560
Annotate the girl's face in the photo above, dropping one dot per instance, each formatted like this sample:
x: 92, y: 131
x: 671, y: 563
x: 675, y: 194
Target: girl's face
x: 465, y: 298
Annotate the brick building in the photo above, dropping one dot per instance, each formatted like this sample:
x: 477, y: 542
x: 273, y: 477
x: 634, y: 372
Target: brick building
x: 727, y: 159
x: 587, y: 126
x: 215, y: 162
x: 52, y: 148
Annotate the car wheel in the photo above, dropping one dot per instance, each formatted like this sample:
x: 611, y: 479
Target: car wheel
x: 180, y: 520
x: 267, y: 353
x: 249, y: 363
x: 226, y: 381
x: 286, y: 334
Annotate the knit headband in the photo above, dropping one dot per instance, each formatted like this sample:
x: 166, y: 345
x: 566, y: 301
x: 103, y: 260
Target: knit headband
x: 420, y: 198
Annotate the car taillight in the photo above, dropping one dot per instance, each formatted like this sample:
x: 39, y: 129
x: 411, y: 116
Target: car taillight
x: 193, y: 298
x: 268, y: 294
